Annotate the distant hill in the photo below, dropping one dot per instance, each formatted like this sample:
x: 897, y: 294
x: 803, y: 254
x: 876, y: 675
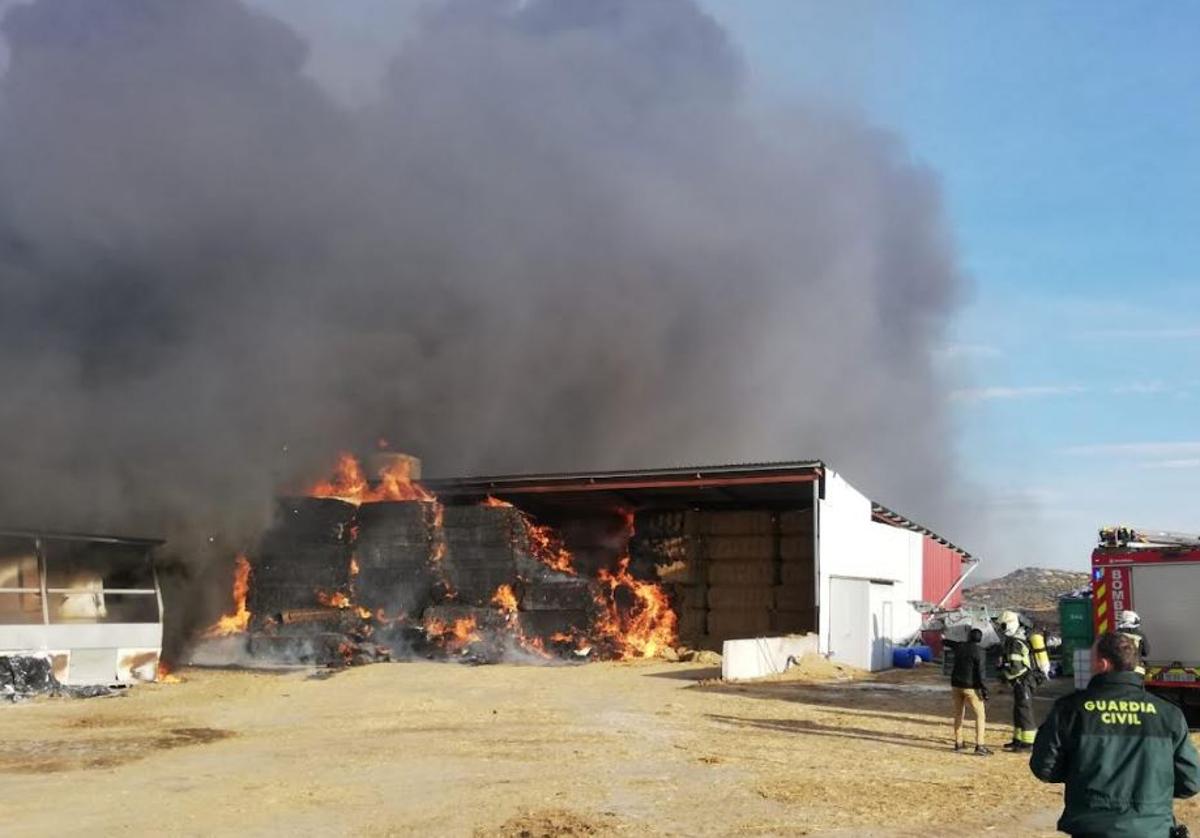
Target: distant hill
x: 1032, y: 590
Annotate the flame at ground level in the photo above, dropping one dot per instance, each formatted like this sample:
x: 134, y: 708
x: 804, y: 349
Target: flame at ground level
x: 239, y: 620
x: 643, y: 628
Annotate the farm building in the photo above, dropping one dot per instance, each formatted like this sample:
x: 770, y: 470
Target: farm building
x: 750, y: 550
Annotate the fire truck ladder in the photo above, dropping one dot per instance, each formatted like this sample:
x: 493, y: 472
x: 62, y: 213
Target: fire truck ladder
x: 1133, y: 537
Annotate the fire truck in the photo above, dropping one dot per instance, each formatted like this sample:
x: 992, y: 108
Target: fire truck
x: 1156, y: 574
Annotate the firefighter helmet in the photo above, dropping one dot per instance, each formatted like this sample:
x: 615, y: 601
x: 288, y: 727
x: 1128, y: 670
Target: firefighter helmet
x: 1010, y: 623
x: 1128, y: 621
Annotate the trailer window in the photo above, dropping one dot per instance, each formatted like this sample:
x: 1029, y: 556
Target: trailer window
x: 90, y: 582
x: 20, y: 582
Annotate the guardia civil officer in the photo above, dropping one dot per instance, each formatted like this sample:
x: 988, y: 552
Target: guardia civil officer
x: 1121, y: 752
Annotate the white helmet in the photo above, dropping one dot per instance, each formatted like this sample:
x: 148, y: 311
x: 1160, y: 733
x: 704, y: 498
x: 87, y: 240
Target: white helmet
x: 1010, y: 621
x: 1128, y: 621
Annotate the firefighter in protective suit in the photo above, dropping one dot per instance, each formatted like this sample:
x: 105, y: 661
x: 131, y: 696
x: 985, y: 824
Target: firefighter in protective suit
x: 1019, y: 673
x: 1130, y: 624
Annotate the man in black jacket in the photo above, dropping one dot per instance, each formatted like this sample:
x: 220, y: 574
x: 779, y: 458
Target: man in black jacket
x: 1123, y: 753
x: 966, y: 682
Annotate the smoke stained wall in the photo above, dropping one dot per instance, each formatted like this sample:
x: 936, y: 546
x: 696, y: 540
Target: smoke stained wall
x: 560, y: 237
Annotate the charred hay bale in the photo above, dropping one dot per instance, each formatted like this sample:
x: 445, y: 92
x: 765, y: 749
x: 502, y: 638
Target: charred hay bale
x: 739, y: 547
x: 750, y: 572
x: 709, y: 522
x: 729, y: 625
x: 265, y: 600
x: 404, y: 590
x: 796, y: 522
x: 314, y: 520
x: 315, y: 567
x: 735, y: 598
x: 314, y: 648
x: 800, y: 621
x: 485, y: 620
x: 546, y: 624
x: 570, y: 593
x: 793, y: 597
x: 407, y: 557
x: 796, y: 548
x: 395, y: 524
x: 483, y: 525
x: 796, y: 575
x: 476, y: 571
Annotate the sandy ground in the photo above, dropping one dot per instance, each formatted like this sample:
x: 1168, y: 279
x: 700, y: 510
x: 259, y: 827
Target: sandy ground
x: 444, y: 749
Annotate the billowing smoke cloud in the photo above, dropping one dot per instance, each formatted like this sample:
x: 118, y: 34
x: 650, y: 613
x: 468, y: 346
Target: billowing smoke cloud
x: 561, y: 237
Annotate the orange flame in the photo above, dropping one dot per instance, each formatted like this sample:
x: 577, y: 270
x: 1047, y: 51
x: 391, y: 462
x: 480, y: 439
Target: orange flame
x: 547, y: 547
x: 646, y: 627
x: 453, y: 636
x: 349, y: 483
x: 236, y: 622
x: 353, y: 566
x: 505, y: 598
x: 491, y: 501
x: 335, y: 600
x: 163, y: 674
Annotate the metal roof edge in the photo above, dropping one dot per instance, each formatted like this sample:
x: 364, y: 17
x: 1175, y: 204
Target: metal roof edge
x: 878, y: 510
x: 78, y: 536
x: 600, y: 478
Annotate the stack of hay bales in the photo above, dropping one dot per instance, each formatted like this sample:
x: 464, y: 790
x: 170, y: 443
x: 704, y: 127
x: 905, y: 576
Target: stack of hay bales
x: 740, y: 549
x: 795, y: 595
x: 664, y: 547
x: 487, y: 547
x: 394, y: 549
x: 307, y: 549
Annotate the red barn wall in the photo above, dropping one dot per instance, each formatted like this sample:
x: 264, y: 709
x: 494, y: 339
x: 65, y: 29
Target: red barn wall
x: 942, y: 567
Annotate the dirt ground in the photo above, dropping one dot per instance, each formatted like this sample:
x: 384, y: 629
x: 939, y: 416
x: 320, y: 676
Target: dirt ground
x: 445, y: 749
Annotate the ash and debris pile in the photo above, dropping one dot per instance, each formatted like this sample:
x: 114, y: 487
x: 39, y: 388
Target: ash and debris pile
x: 25, y: 676
x: 1033, y: 591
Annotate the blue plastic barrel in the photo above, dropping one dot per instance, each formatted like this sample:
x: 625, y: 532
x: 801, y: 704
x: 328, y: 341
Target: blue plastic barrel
x: 903, y: 657
x: 925, y: 653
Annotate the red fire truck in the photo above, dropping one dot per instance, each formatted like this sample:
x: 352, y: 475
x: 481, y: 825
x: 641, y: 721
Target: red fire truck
x: 1156, y: 574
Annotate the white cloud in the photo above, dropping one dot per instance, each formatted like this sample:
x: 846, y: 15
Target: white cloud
x: 1183, y: 463
x: 1143, y: 388
x: 980, y: 394
x: 1160, y: 450
x: 1187, y: 333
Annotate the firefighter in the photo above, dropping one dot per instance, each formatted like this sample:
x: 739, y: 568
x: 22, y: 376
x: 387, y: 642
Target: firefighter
x: 1130, y: 624
x: 1121, y: 752
x: 1018, y: 672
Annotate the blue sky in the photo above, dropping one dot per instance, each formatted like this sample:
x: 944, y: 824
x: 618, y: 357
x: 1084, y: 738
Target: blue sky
x: 1066, y: 137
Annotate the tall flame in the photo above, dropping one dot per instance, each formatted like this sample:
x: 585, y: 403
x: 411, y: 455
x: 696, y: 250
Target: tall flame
x: 349, y: 483
x: 239, y: 620
x: 645, y: 627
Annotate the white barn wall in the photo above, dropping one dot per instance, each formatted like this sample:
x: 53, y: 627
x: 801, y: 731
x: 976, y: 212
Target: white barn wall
x: 852, y: 545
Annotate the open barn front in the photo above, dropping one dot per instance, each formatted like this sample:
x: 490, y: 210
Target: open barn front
x: 734, y: 547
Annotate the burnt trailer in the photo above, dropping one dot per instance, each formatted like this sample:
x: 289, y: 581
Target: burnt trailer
x: 91, y: 604
x: 748, y: 551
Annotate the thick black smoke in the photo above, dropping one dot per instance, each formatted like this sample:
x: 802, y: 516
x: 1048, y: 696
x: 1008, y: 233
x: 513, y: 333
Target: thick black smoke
x: 561, y: 238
